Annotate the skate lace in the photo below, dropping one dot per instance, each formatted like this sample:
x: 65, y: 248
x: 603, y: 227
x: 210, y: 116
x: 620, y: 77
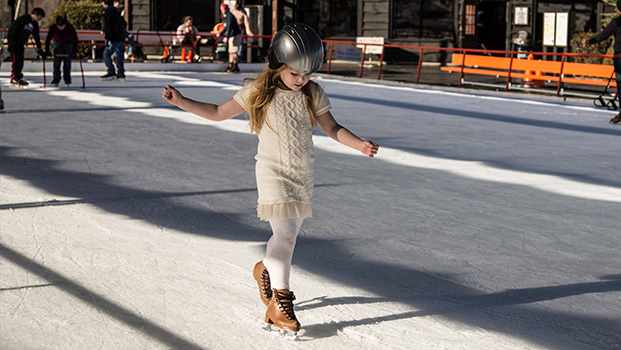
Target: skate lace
x: 285, y: 303
x: 265, y: 285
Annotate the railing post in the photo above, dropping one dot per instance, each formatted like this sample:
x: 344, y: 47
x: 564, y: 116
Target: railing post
x: 364, y: 50
x: 420, y: 64
x: 461, y: 72
x: 509, y: 74
x: 560, y: 76
x: 330, y: 57
x: 381, y: 61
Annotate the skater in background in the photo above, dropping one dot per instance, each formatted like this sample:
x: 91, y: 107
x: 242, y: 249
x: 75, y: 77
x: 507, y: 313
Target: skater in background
x: 284, y: 107
x: 65, y: 47
x: 187, y: 34
x: 613, y: 28
x: 114, y: 29
x: 17, y: 37
x: 232, y: 36
x: 244, y: 26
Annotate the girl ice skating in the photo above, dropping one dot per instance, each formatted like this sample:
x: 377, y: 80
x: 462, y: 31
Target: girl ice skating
x: 284, y: 106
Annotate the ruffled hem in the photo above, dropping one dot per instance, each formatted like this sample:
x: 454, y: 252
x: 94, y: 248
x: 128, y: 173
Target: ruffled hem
x: 286, y: 210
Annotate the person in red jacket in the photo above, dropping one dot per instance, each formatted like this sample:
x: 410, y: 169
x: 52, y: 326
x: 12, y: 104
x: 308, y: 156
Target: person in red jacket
x: 65, y: 46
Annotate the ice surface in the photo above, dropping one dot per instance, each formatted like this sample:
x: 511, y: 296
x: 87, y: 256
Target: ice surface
x: 487, y: 221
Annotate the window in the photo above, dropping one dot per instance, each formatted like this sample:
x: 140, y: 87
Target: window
x: 471, y: 14
x: 422, y: 18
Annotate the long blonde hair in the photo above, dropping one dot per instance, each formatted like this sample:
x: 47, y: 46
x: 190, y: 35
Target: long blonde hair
x: 262, y: 93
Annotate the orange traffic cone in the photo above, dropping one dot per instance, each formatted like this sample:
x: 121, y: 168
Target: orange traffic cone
x: 189, y: 56
x: 165, y: 55
x: 527, y: 73
x: 539, y: 81
x: 182, y: 54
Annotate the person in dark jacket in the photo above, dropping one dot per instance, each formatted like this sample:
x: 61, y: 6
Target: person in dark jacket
x: 17, y: 37
x: 114, y: 32
x: 613, y: 28
x: 232, y: 36
x: 65, y: 46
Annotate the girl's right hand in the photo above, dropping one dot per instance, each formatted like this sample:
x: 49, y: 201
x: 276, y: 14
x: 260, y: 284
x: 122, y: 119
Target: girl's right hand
x: 172, y: 95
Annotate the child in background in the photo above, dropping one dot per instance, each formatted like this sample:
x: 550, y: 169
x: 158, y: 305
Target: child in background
x: 284, y: 107
x: 64, y: 48
x: 19, y: 33
x: 187, y: 34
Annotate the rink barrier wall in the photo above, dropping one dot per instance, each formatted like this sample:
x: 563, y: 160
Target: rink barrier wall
x: 531, y: 74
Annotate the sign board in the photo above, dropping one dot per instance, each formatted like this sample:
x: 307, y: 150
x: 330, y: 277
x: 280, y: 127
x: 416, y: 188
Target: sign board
x: 372, y: 49
x: 562, y: 25
x: 521, y: 16
x: 555, y: 28
x: 549, y: 24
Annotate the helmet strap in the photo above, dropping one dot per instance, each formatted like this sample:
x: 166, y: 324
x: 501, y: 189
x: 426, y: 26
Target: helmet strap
x: 273, y: 61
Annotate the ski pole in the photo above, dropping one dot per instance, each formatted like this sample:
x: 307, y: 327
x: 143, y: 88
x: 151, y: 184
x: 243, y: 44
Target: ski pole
x: 81, y: 71
x: 43, y: 60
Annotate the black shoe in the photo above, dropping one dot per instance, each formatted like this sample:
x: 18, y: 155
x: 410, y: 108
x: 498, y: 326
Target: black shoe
x: 109, y: 76
x: 19, y: 82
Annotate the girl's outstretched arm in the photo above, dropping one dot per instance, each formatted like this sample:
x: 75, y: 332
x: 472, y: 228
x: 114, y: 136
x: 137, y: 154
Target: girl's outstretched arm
x: 344, y: 136
x: 227, y: 110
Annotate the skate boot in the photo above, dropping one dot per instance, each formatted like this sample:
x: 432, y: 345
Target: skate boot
x: 262, y: 277
x: 227, y: 69
x: 18, y: 84
x: 616, y: 119
x: 280, y: 311
x: 108, y: 76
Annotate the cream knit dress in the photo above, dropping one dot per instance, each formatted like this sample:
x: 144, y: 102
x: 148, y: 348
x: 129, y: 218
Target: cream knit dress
x: 285, y: 157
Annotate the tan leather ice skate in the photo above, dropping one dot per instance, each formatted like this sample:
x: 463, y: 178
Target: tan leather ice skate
x: 280, y: 311
x: 262, y: 277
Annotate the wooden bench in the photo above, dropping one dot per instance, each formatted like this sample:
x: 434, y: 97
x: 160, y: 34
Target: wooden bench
x: 532, y: 70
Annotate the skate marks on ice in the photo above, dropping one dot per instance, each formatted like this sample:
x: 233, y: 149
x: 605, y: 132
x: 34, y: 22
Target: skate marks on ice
x: 98, y: 301
x: 511, y: 314
x: 469, y: 169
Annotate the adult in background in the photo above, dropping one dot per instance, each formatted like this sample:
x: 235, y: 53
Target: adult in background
x: 65, y: 46
x: 187, y: 34
x: 613, y: 28
x: 244, y: 25
x: 232, y: 36
x: 17, y: 37
x: 114, y: 32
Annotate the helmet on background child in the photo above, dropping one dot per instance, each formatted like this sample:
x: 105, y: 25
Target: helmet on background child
x: 298, y: 46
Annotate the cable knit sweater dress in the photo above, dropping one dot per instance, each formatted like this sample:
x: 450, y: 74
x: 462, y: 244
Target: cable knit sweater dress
x: 284, y: 167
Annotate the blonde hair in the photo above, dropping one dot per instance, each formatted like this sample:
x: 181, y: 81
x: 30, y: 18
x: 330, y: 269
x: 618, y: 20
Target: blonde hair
x: 262, y: 93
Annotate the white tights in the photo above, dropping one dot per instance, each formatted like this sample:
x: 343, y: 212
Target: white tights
x: 279, y: 251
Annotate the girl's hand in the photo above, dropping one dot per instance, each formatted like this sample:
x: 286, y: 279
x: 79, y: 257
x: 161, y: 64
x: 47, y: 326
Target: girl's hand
x: 172, y: 95
x: 369, y: 148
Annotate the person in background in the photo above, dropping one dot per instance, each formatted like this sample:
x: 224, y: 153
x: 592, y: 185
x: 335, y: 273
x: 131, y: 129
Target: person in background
x: 244, y: 26
x: 613, y: 28
x: 64, y: 48
x: 17, y: 37
x: 232, y: 36
x: 131, y: 43
x: 114, y: 29
x: 187, y: 34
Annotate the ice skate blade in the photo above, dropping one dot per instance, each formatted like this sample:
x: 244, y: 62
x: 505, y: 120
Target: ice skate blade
x: 15, y: 86
x: 284, y: 333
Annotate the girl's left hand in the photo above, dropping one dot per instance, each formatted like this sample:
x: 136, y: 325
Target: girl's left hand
x: 369, y: 148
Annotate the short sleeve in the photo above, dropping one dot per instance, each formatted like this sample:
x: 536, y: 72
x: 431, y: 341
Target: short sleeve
x: 321, y: 100
x: 242, y: 95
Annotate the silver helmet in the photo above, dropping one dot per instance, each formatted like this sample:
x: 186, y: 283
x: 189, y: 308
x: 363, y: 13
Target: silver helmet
x: 299, y: 47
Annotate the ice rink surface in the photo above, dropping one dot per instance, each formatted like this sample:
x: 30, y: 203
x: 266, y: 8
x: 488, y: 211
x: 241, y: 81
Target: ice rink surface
x: 487, y: 221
